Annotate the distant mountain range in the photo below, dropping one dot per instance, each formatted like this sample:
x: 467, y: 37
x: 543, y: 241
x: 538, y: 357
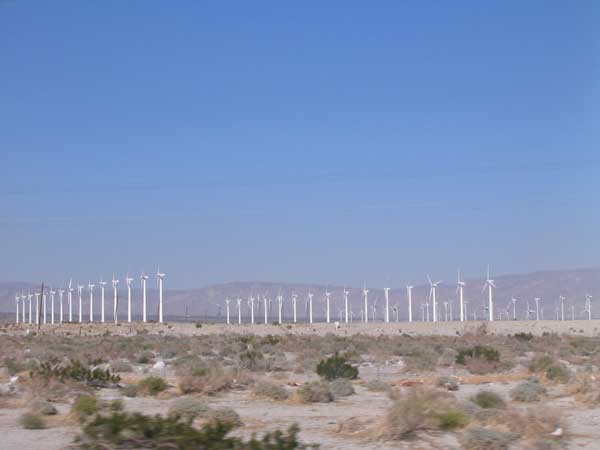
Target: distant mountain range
x: 208, y: 303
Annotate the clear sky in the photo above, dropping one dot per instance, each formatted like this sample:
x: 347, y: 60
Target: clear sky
x: 326, y: 142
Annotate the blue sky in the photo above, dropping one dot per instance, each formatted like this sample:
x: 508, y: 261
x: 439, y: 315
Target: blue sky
x: 305, y: 143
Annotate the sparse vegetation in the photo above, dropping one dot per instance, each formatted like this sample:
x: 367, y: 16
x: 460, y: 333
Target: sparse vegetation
x: 448, y: 383
x: 32, y: 421
x: 189, y: 407
x: 480, y: 438
x: 270, y: 390
x: 488, y: 399
x: 152, y: 385
x: 85, y: 406
x: 315, y: 392
x: 76, y: 371
x: 529, y: 391
x: 336, y: 367
x: 341, y: 388
x: 42, y: 407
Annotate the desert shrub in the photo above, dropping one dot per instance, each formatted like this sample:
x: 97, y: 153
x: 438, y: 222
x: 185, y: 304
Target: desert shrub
x: 116, y: 405
x: 540, y: 363
x: 130, y: 390
x: 121, y: 366
x: 477, y: 352
x: 145, y: 357
x: 31, y: 421
x: 128, y: 431
x: 152, y: 385
x: 189, y: 407
x: 378, y: 386
x: 315, y: 392
x: 526, y: 337
x: 85, y: 406
x: 226, y: 416
x: 42, y: 407
x: 528, y: 391
x: 341, y: 388
x: 448, y: 382
x: 206, y: 380
x: 558, y: 372
x: 480, y: 438
x: 336, y: 367
x: 488, y: 399
x: 270, y: 390
x: 75, y: 371
x: 422, y: 410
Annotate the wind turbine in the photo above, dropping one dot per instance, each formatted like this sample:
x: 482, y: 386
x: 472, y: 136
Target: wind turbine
x: 79, y: 293
x: 30, y: 297
x: 115, y: 282
x: 239, y: 307
x: 386, y: 292
x: 366, y: 295
x: 310, y: 307
x: 128, y: 283
x: 280, y: 307
x: 466, y: 314
x: 227, y: 302
x: 251, y: 304
x: 446, y: 311
x: 91, y: 287
x: 460, y: 286
x: 144, y: 278
x: 409, y: 289
x: 102, y: 284
x: 61, y: 293
x: 327, y: 300
x: 433, y: 287
x: 17, y: 298
x: 44, y: 298
x: 562, y: 307
x: 395, y: 312
x: 23, y: 316
x: 489, y: 285
x: 514, y: 302
x: 69, y: 299
x: 266, y: 308
x: 160, y: 277
x: 294, y: 303
x: 37, y: 308
x: 588, y: 306
x: 52, y: 293
x: 346, y: 293
x: 537, y: 308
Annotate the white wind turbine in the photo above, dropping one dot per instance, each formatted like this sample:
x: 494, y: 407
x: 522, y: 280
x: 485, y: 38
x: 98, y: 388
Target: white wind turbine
x: 460, y: 286
x: 61, y: 293
x: 280, y: 307
x: 128, y: 282
x: 144, y: 279
x: 395, y: 312
x: 37, y: 308
x: 310, y: 307
x: 17, y: 298
x: 562, y: 307
x: 386, y: 292
x: 91, y: 288
x: 160, y: 277
x: 44, y: 306
x: 294, y: 304
x: 52, y: 293
x: 23, y: 316
x: 266, y: 308
x: 30, y: 297
x: 79, y: 294
x: 102, y: 284
x: 366, y: 296
x: 489, y: 285
x: 239, y: 307
x: 69, y: 299
x: 251, y: 304
x: 327, y: 300
x: 588, y: 306
x: 227, y: 302
x: 514, y: 302
x: 409, y: 289
x: 432, y: 289
x: 537, y: 308
x: 115, y: 282
x: 346, y: 293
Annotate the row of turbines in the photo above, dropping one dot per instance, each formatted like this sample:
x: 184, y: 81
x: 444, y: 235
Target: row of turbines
x: 45, y: 308
x: 431, y: 308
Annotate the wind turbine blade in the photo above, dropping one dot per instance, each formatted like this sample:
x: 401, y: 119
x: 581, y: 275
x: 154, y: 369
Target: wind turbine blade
x: 429, y: 279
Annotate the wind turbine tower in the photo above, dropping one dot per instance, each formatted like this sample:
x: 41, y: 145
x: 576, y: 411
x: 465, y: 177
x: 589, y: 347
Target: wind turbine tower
x: 17, y: 298
x: 537, y: 308
x: 294, y: 304
x: 266, y: 308
x: 227, y: 302
x: 115, y: 282
x: 514, y: 302
x: 386, y: 292
x: 251, y: 302
x: 433, y: 287
x: 102, y: 284
x: 91, y: 287
x: 310, y: 307
x: 144, y: 279
x: 30, y: 297
x: 327, y: 300
x: 128, y: 282
x: 489, y: 284
x: 160, y: 277
x: 37, y: 308
x: 562, y: 307
x: 366, y: 295
x: 280, y: 307
x: 52, y: 293
x: 69, y: 299
x: 239, y: 305
x: 409, y: 289
x: 460, y: 286
x: 61, y: 293
x: 79, y: 293
x: 346, y: 293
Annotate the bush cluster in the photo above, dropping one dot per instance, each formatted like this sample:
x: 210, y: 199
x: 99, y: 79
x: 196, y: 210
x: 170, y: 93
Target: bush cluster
x: 76, y: 371
x: 336, y: 367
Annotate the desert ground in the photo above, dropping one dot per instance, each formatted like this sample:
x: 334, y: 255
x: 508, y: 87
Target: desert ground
x: 478, y: 385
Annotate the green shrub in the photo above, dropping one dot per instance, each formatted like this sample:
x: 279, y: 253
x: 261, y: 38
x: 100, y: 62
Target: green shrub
x: 133, y: 431
x: 152, y: 385
x: 251, y: 360
x: 85, y: 406
x: 31, y: 421
x: 480, y: 438
x: 270, y: 390
x: 336, y: 367
x: 449, y: 383
x: 130, y: 390
x: 146, y: 357
x: 42, y: 408
x: 226, y: 416
x: 477, y: 352
x: 526, y: 337
x: 452, y: 419
x: 76, y: 371
x: 488, y: 400
x: 378, y: 386
x: 315, y: 392
x: 528, y: 391
x: 341, y: 388
x: 540, y: 363
x: 558, y: 372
